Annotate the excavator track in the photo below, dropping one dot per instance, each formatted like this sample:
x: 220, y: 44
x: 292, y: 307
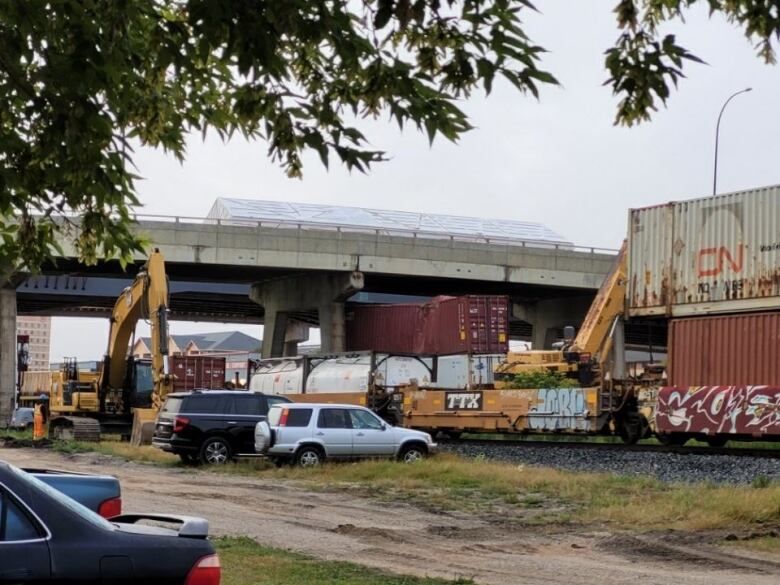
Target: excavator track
x: 74, y: 428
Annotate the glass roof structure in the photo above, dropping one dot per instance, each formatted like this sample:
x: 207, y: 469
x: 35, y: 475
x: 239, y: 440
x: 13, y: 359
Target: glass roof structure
x: 281, y: 214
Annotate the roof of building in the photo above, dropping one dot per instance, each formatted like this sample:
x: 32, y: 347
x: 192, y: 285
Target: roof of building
x: 279, y: 213
x: 217, y: 341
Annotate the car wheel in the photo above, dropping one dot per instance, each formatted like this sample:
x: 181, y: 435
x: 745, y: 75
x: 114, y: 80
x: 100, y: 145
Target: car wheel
x: 412, y: 453
x: 309, y: 457
x: 215, y: 451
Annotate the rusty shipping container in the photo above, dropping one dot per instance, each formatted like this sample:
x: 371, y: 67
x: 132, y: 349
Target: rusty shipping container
x: 724, y: 378
x: 477, y: 324
x: 725, y: 350
x: 706, y: 256
x: 35, y: 383
x: 197, y: 371
x: 383, y: 328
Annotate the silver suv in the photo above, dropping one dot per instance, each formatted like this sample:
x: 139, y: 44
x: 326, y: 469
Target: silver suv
x: 307, y: 434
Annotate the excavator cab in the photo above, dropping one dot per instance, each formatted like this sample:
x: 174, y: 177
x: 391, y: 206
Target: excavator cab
x: 139, y: 384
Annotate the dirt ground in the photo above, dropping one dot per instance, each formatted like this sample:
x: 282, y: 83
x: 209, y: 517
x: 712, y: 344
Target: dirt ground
x: 404, y: 539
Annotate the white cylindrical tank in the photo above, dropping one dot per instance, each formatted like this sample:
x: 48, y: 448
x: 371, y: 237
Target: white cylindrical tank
x: 342, y: 374
x: 278, y: 377
x: 400, y: 370
x: 352, y: 374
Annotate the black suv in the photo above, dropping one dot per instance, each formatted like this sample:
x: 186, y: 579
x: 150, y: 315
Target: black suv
x: 211, y: 426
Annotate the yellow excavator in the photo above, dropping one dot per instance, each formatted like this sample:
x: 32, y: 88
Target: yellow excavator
x: 585, y: 355
x: 594, y: 357
x: 127, y: 390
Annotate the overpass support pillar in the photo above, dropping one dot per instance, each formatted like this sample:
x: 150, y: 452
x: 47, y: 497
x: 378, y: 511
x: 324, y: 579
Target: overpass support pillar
x: 7, y: 354
x: 332, y: 327
x: 549, y: 316
x: 323, y: 292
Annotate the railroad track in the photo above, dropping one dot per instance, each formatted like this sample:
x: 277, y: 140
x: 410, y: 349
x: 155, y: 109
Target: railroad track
x: 511, y: 445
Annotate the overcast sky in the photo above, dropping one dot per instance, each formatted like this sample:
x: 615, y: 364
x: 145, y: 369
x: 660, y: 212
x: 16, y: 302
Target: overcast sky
x: 558, y: 161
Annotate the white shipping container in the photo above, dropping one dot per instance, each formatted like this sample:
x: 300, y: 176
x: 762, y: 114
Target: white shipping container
x: 710, y: 255
x: 463, y: 371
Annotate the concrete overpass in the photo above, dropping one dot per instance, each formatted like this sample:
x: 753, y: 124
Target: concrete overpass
x: 300, y: 270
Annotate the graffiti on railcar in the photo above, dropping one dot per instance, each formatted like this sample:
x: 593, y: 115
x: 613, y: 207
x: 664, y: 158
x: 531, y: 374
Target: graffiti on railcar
x: 558, y: 409
x: 740, y: 410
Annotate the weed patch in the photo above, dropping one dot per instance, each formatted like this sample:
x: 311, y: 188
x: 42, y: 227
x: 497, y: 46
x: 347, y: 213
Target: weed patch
x: 245, y: 561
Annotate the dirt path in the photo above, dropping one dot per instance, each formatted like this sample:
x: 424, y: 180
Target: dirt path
x: 404, y: 539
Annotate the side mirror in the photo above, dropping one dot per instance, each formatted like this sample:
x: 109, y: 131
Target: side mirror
x: 384, y: 427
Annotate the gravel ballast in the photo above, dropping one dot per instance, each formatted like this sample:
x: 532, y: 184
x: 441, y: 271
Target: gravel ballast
x: 667, y: 467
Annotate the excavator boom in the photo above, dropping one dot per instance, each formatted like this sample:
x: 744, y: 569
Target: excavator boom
x: 146, y: 298
x: 593, y: 339
x: 608, y: 304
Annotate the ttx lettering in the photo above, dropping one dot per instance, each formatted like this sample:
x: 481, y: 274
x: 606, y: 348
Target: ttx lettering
x: 464, y: 401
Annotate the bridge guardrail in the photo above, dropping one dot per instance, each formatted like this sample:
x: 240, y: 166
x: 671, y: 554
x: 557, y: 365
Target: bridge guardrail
x: 405, y: 232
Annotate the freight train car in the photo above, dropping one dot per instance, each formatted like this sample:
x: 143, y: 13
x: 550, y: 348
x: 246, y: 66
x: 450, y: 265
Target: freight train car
x: 723, y: 380
x: 711, y: 266
x: 363, y: 378
x: 379, y: 380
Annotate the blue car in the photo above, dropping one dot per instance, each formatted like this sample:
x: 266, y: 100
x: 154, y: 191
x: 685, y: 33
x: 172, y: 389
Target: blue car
x: 22, y: 418
x: 47, y: 537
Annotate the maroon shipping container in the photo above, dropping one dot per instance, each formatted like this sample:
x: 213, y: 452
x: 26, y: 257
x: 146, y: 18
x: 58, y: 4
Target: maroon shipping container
x: 446, y: 325
x: 383, y: 328
x: 470, y: 324
x: 197, y: 371
x: 728, y: 350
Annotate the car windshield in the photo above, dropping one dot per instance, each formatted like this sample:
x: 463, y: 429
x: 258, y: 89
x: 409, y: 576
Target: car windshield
x: 21, y: 414
x: 61, y: 498
x: 362, y: 419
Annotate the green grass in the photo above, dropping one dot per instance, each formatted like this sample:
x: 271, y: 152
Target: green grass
x: 116, y: 448
x: 244, y: 562
x: 634, y: 503
x: 17, y: 434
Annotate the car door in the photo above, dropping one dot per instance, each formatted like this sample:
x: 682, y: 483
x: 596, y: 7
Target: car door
x: 370, y: 436
x: 24, y: 552
x: 248, y: 411
x: 334, y: 429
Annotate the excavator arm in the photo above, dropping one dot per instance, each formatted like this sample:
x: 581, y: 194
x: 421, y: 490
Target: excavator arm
x: 146, y: 298
x: 592, y: 344
x: 608, y: 304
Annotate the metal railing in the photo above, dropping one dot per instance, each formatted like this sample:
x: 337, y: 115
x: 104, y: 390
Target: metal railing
x: 377, y: 231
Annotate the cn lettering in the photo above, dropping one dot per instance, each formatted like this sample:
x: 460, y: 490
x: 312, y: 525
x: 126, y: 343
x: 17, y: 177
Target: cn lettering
x: 711, y: 261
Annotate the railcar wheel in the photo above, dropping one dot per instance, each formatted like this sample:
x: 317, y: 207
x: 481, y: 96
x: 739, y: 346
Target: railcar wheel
x: 717, y: 441
x: 673, y: 439
x: 632, y: 427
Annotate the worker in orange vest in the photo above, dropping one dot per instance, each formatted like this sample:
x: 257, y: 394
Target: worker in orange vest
x: 38, y: 423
